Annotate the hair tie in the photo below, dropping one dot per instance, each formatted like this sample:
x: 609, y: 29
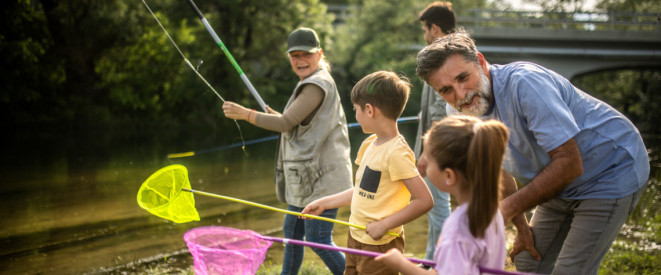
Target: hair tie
x: 476, y: 126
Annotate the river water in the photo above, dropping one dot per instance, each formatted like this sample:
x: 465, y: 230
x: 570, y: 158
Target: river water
x: 68, y: 204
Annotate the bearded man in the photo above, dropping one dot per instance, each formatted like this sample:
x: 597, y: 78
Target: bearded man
x: 582, y: 164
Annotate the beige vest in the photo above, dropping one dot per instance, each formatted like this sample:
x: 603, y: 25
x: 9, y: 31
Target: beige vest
x: 313, y: 160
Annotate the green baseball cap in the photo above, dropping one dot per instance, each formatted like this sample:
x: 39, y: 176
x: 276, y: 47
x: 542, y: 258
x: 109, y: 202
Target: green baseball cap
x: 303, y: 39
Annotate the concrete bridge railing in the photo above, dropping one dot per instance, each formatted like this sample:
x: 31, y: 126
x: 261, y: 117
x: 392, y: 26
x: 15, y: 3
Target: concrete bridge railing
x: 570, y: 43
x: 589, y: 21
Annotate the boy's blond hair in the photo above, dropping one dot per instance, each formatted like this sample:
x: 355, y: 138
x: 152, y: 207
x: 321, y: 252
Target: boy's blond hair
x: 384, y: 90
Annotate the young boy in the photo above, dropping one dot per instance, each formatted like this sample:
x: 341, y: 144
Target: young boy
x: 389, y: 191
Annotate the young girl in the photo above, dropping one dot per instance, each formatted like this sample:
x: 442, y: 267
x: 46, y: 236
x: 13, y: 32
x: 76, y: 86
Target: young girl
x: 463, y: 156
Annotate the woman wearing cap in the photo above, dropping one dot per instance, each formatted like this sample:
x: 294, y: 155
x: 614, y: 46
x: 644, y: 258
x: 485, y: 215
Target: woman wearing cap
x: 313, y: 154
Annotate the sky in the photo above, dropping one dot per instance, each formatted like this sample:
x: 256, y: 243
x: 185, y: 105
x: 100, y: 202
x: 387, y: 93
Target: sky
x: 523, y: 5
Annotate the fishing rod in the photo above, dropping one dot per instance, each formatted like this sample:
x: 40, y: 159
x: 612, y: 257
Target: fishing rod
x: 190, y: 64
x: 229, y: 55
x: 279, y: 209
x: 258, y: 140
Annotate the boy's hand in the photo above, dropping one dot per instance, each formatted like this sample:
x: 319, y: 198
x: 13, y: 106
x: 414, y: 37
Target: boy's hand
x: 376, y: 230
x: 314, y: 208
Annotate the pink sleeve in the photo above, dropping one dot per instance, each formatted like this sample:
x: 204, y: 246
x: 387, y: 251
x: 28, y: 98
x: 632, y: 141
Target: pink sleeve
x: 455, y: 256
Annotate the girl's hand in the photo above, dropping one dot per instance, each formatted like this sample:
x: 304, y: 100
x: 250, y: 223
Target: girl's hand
x: 376, y: 230
x: 235, y: 111
x: 393, y: 258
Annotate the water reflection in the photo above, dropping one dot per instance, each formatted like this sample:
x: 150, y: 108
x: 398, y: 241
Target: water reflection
x: 71, y: 208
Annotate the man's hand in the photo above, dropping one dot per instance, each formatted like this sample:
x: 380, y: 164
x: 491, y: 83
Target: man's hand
x: 524, y: 240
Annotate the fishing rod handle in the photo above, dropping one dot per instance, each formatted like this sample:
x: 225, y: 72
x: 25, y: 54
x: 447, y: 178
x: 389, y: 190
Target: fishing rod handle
x: 254, y: 92
x: 236, y: 66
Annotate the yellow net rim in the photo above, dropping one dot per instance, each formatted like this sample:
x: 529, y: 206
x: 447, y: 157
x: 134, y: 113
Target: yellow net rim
x: 145, y: 185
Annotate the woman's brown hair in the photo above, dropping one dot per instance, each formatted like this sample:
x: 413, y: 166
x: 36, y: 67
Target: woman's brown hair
x: 474, y: 149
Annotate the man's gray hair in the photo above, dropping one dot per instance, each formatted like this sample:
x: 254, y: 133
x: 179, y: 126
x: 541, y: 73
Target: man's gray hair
x: 432, y: 57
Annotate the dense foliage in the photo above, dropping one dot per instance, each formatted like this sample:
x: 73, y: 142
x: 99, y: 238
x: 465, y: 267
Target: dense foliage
x: 107, y: 64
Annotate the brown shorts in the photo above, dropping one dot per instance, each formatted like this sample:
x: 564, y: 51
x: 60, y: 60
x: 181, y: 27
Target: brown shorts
x: 356, y: 264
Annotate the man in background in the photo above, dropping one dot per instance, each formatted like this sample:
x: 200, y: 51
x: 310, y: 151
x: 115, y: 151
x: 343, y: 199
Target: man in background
x: 437, y: 20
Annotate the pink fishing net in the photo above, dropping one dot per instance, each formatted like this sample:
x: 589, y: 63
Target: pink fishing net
x: 222, y: 250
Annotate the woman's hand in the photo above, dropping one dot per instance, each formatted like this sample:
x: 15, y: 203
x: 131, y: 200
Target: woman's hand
x: 271, y: 111
x: 236, y: 111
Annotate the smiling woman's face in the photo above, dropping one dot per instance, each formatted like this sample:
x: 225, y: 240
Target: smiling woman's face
x: 304, y: 63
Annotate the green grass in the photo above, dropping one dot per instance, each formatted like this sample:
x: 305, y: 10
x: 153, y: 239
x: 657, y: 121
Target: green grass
x: 308, y: 268
x: 637, y: 251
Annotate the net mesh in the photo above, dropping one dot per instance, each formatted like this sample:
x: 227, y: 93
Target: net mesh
x: 162, y: 196
x: 222, y: 250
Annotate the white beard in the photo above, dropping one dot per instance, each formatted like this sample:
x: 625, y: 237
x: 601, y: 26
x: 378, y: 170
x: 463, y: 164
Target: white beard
x: 483, y: 94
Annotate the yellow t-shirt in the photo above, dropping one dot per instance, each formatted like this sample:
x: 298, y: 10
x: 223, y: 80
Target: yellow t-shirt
x: 379, y: 191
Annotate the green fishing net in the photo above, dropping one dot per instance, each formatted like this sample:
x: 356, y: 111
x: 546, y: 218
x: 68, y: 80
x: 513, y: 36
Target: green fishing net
x: 162, y: 196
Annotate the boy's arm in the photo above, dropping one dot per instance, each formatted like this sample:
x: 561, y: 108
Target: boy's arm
x: 328, y: 202
x: 421, y: 202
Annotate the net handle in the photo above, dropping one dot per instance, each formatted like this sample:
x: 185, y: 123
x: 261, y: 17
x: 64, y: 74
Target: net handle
x: 376, y: 254
x: 279, y: 210
x: 340, y: 249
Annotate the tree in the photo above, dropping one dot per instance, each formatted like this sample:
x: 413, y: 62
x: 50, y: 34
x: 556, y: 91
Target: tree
x: 89, y: 63
x: 383, y: 35
x: 634, y: 92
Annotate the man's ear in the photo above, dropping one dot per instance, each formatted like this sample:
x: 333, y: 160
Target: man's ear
x: 436, y: 31
x: 483, y: 62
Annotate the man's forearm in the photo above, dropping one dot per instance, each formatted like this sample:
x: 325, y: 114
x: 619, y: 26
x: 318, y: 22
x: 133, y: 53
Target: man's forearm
x: 564, y: 167
x: 509, y: 187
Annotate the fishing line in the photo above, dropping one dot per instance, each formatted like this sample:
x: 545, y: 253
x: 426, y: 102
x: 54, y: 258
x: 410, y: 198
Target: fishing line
x: 263, y: 139
x: 193, y: 68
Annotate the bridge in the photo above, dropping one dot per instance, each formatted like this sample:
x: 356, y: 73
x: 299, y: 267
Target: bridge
x: 570, y: 43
